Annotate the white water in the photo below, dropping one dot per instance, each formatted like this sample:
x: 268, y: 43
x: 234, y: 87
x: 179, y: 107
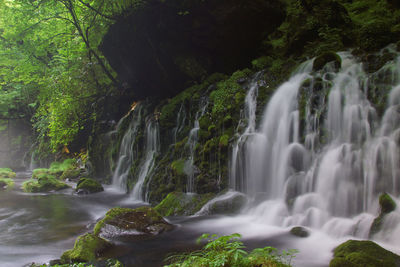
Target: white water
x: 189, y: 167
x: 126, y: 151
x: 151, y: 149
x: 331, y: 180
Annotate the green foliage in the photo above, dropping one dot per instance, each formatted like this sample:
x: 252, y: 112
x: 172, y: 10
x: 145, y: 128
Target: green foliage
x: 229, y: 251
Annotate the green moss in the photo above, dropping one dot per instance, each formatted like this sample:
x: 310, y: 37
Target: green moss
x: 224, y: 140
x: 40, y: 171
x: 178, y: 166
x: 7, y: 173
x: 87, y: 248
x: 386, y: 203
x: 143, y: 219
x: 326, y: 57
x: 226, y: 91
x: 178, y: 203
x: 57, y: 168
x: 261, y: 62
x: 89, y: 185
x: 6, y: 184
x: 363, y: 253
x: 70, y: 174
x: 212, y: 129
x: 44, y: 183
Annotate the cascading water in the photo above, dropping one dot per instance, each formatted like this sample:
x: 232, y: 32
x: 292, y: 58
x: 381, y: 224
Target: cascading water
x: 327, y: 170
x: 126, y: 151
x: 189, y: 167
x: 151, y: 149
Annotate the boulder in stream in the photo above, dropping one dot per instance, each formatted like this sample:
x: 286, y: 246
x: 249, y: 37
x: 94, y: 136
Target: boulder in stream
x: 356, y: 253
x: 43, y: 183
x: 387, y: 205
x: 87, y: 248
x: 88, y: 186
x: 299, y: 231
x: 139, y: 223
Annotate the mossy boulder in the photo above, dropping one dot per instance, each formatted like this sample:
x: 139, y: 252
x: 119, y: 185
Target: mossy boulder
x: 140, y: 223
x: 88, y: 186
x: 43, y: 183
x: 6, y: 184
x: 363, y: 253
x: 179, y: 203
x: 87, y: 248
x: 72, y: 173
x: 228, y: 203
x: 40, y: 171
x: 299, y: 231
x: 325, y: 58
x: 387, y: 205
x: 7, y: 173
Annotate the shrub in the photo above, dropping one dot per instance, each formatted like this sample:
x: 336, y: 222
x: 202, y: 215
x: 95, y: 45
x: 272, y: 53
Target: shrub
x: 229, y: 251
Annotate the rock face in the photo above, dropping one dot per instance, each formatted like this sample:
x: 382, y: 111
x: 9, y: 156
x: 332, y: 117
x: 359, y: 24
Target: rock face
x: 142, y: 223
x: 178, y: 203
x: 354, y: 253
x: 88, y: 186
x: 164, y: 44
x: 87, y: 248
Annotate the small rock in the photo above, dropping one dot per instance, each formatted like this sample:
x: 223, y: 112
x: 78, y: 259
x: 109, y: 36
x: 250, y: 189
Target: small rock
x: 299, y: 231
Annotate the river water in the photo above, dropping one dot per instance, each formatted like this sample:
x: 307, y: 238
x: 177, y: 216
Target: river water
x: 40, y: 227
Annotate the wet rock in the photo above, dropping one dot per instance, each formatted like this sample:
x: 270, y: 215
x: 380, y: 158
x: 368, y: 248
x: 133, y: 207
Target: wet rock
x: 87, y: 248
x: 363, y: 253
x: 325, y: 58
x: 88, y: 186
x: 387, y: 205
x: 226, y: 205
x: 179, y: 203
x: 143, y: 222
x: 299, y: 231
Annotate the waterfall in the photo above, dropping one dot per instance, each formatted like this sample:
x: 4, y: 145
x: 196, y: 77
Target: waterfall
x: 324, y: 162
x: 151, y: 149
x: 189, y: 167
x: 126, y: 151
